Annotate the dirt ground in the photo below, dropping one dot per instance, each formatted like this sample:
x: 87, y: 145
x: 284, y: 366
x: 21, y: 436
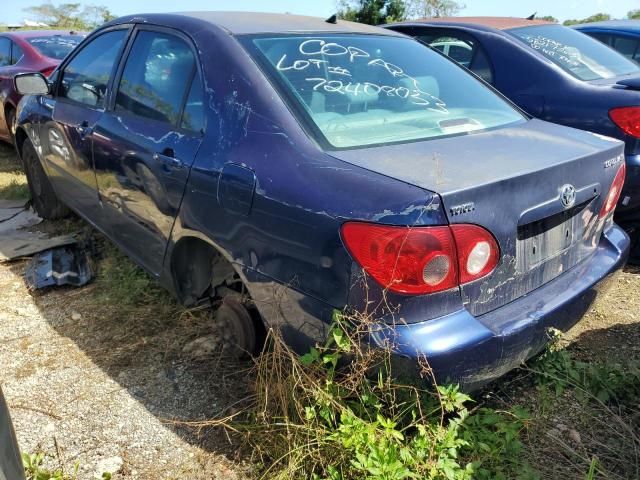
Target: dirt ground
x: 111, y: 386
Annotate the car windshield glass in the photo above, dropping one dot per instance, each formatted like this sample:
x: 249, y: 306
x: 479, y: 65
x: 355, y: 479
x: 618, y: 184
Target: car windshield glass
x: 580, y: 55
x: 55, y: 46
x: 361, y: 90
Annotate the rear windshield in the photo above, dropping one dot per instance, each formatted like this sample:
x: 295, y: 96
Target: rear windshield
x: 55, y: 46
x: 360, y: 90
x: 579, y: 54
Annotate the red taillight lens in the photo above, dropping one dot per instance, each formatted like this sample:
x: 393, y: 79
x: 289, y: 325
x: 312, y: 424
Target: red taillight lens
x: 47, y: 71
x: 421, y: 260
x: 405, y: 260
x: 611, y: 200
x: 628, y: 119
x: 478, y: 252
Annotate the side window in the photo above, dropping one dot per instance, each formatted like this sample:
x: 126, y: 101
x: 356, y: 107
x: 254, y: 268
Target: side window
x: 193, y: 115
x: 603, y: 37
x: 16, y: 53
x: 156, y: 77
x: 5, y: 52
x: 86, y: 77
x: 464, y: 50
x: 626, y: 46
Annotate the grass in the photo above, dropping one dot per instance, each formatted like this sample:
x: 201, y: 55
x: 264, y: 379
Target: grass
x: 13, y: 186
x: 34, y: 469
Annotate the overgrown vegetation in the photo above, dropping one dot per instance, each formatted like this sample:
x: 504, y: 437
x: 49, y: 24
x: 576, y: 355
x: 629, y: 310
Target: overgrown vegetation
x: 319, y: 416
x: 13, y: 186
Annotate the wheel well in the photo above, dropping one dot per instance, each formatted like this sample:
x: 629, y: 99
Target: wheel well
x: 200, y: 271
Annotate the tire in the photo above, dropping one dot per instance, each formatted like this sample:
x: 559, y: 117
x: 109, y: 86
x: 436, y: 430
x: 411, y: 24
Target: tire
x: 45, y: 200
x: 11, y: 121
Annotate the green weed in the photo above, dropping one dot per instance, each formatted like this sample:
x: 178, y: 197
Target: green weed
x: 318, y: 417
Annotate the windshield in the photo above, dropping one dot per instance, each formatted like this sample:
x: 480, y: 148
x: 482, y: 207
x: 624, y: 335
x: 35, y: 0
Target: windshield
x: 361, y: 90
x: 55, y: 46
x: 580, y: 55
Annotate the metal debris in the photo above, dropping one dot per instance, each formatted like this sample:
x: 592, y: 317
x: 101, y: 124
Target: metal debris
x: 68, y: 265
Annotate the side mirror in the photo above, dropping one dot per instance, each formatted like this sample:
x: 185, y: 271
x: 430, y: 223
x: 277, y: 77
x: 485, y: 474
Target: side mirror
x: 31, y: 84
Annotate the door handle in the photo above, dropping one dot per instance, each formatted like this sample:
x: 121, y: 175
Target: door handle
x: 168, y: 160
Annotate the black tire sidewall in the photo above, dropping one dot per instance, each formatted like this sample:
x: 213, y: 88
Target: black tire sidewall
x: 44, y: 199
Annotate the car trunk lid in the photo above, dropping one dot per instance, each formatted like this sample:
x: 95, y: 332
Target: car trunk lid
x: 510, y: 181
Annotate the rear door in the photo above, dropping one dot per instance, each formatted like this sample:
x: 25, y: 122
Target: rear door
x: 145, y: 144
x: 9, y: 55
x: 77, y: 105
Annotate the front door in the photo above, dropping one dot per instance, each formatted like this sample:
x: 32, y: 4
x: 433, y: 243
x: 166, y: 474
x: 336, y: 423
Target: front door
x: 145, y: 145
x: 76, y: 106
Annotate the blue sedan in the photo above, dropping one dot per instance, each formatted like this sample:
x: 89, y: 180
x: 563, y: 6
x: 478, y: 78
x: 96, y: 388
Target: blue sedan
x: 621, y: 35
x: 553, y: 73
x: 281, y: 167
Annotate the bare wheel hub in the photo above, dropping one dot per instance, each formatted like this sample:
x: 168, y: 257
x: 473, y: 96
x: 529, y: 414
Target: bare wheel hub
x: 237, y: 328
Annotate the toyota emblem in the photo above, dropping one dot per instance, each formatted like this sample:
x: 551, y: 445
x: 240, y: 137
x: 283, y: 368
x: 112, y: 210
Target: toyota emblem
x: 568, y: 196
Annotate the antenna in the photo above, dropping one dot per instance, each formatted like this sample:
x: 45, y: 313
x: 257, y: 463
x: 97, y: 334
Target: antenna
x: 332, y: 19
x: 532, y: 16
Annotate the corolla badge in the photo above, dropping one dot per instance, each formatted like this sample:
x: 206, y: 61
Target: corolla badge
x: 568, y: 195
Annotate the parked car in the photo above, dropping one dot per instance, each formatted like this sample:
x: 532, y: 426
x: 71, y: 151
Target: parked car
x: 621, y: 35
x: 556, y: 74
x: 284, y: 167
x: 10, y: 461
x: 22, y: 51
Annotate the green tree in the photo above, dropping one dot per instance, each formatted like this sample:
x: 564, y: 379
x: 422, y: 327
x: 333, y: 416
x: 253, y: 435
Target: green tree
x: 432, y: 8
x: 634, y: 14
x: 372, y: 12
x: 598, y: 17
x: 70, y: 15
x: 548, y: 18
x: 95, y: 15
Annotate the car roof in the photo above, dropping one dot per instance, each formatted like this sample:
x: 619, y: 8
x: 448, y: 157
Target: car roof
x: 627, y: 25
x: 241, y: 23
x: 500, y: 23
x: 40, y: 33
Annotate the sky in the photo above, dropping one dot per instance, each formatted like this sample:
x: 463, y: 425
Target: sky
x: 12, y: 10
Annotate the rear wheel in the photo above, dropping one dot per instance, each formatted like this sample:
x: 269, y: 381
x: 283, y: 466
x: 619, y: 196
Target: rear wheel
x: 45, y: 200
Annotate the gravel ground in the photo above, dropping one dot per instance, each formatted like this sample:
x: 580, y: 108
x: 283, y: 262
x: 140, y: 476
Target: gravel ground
x: 69, y: 402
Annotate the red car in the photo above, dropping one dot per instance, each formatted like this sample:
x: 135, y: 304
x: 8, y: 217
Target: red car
x: 28, y: 51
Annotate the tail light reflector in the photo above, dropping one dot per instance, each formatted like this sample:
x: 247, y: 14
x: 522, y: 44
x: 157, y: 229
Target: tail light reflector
x: 478, y: 252
x: 611, y: 200
x: 627, y: 119
x: 421, y: 260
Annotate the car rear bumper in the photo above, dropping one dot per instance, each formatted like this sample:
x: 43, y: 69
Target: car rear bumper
x: 472, y: 350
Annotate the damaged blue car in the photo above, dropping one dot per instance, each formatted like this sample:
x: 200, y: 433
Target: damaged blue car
x: 283, y: 167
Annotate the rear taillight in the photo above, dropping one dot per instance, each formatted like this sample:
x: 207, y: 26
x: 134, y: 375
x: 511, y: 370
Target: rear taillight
x: 628, y: 119
x: 478, y: 252
x: 421, y: 260
x: 614, y: 192
x: 47, y: 71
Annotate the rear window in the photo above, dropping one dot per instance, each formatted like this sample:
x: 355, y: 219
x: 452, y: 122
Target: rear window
x: 55, y: 46
x: 363, y: 90
x: 579, y: 54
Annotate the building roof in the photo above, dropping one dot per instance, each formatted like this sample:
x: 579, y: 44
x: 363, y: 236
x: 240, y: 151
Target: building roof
x: 501, y: 23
